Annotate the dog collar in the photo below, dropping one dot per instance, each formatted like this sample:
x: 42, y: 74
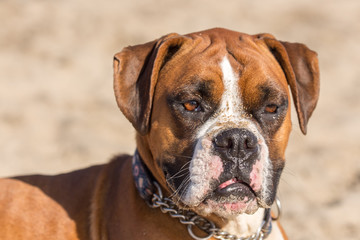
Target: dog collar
x: 142, y: 177
x: 146, y: 186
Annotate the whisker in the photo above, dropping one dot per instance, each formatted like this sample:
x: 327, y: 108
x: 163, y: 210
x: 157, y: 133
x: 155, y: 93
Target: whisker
x: 187, y: 179
x: 184, y: 187
x: 184, y: 190
x: 180, y: 171
x: 175, y: 176
x: 190, y: 157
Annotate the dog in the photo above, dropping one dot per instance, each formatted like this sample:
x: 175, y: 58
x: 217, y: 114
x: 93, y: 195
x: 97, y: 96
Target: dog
x: 212, y: 115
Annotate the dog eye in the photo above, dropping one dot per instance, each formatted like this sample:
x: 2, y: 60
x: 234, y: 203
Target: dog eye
x: 271, y: 108
x: 192, y: 106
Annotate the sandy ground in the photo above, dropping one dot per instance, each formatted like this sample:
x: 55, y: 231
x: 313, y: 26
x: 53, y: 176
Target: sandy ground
x: 58, y: 113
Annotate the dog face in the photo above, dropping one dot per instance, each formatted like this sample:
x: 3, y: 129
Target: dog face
x: 213, y: 129
x: 214, y: 118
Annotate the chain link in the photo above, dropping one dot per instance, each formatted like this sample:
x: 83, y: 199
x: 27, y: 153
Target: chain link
x: 191, y: 219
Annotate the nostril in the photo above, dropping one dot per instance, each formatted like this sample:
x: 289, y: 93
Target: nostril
x: 223, y: 142
x: 250, y: 142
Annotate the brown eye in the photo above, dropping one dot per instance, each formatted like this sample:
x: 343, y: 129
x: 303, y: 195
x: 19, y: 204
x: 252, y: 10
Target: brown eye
x: 271, y: 108
x: 192, y: 106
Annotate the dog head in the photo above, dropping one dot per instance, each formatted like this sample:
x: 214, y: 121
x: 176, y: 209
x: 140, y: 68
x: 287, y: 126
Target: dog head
x: 212, y: 112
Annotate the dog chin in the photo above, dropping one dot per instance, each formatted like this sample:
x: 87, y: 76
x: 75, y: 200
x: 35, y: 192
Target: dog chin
x: 229, y: 207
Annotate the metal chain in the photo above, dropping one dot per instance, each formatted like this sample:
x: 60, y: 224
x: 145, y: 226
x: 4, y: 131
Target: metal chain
x: 191, y: 219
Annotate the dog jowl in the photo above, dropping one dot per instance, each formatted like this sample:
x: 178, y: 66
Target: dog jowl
x: 212, y: 112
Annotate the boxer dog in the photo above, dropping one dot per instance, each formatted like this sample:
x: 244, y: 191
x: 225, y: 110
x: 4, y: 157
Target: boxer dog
x: 212, y: 115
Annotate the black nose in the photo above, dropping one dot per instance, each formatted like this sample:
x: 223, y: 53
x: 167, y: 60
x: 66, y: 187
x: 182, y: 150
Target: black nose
x: 237, y: 143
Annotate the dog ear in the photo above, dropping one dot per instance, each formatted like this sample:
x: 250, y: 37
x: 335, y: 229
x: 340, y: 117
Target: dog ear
x: 136, y: 69
x: 300, y: 65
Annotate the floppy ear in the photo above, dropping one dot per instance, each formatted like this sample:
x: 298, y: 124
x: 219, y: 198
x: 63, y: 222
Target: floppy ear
x: 136, y: 70
x: 300, y: 65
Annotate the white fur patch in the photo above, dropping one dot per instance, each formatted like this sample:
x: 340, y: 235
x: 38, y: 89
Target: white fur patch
x: 244, y: 225
x: 203, y: 168
x: 231, y: 107
x: 231, y: 97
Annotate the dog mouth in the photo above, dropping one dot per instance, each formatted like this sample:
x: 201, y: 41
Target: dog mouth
x: 235, y: 187
x: 231, y: 197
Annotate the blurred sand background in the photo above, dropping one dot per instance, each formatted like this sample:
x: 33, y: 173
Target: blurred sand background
x: 58, y: 113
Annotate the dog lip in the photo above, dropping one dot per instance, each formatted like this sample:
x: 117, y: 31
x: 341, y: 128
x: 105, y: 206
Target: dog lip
x: 227, y: 183
x: 234, y: 185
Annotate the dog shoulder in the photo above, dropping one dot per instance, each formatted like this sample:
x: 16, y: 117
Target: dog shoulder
x: 26, y: 212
